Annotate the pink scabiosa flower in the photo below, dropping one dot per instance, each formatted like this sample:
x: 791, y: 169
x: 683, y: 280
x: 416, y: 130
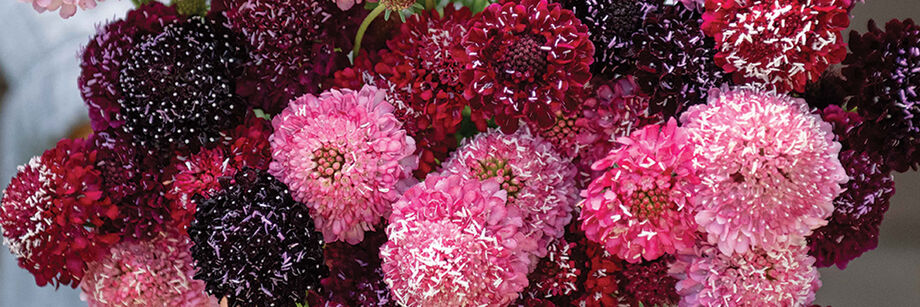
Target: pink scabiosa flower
x: 55, y: 214
x: 540, y: 183
x: 782, y: 44
x: 65, y: 8
x: 525, y: 60
x: 756, y: 277
x: 769, y: 169
x: 346, y: 156
x: 638, y: 208
x: 453, y: 242
x: 158, y: 272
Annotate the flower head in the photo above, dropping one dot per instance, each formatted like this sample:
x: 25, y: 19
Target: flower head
x: 158, y: 272
x: 885, y: 67
x: 638, y: 207
x: 55, y: 214
x: 648, y: 283
x: 525, y: 60
x: 355, y: 275
x: 254, y: 244
x: 65, y: 8
x: 557, y: 274
x: 769, y: 169
x: 777, y: 278
x: 539, y: 182
x: 346, y: 156
x: 780, y: 43
x: 452, y: 242
x: 854, y: 226
x: 177, y: 86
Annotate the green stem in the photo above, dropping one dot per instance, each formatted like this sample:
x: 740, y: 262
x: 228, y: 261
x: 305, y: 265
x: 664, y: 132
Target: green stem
x: 429, y: 5
x: 366, y: 23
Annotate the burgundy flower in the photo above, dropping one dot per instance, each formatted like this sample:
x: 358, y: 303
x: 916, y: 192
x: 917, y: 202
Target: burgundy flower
x: 885, y: 67
x: 648, y: 283
x: 355, y: 277
x: 829, y: 89
x: 55, y: 214
x: 556, y: 276
x: 525, y: 60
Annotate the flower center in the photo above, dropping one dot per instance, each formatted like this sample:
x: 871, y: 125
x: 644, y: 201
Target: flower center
x: 649, y: 204
x: 494, y: 167
x: 397, y: 5
x: 329, y: 161
x: 524, y: 61
x: 563, y: 129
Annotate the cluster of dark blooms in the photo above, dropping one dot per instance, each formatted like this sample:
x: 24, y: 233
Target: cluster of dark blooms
x: 471, y: 153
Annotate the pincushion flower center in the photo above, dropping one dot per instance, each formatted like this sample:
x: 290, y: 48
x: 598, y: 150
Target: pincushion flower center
x: 649, y: 204
x: 329, y: 162
x: 524, y: 60
x: 499, y: 168
x: 397, y: 5
x: 563, y: 129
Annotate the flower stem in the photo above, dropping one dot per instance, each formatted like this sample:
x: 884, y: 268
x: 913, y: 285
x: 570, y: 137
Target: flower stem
x: 366, y: 23
x: 429, y: 5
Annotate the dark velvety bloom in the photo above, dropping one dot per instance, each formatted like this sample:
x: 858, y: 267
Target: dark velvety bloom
x: 105, y: 54
x: 781, y: 44
x: 600, y: 281
x: 556, y: 276
x: 177, y: 86
x: 844, y: 123
x: 55, y: 214
x: 355, y: 277
x: 674, y: 60
x: 853, y: 228
x: 612, y: 24
x: 525, y: 60
x: 648, y: 283
x: 829, y: 89
x: 885, y: 67
x: 421, y: 74
x: 254, y: 244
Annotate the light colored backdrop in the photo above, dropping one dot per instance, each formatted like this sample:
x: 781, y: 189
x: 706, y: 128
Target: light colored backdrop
x: 38, y: 57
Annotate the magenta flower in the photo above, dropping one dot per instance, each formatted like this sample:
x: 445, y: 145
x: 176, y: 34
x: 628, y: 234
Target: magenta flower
x: 769, y: 169
x: 346, y: 156
x: 453, y: 242
x: 158, y: 272
x: 638, y: 207
x: 540, y: 183
x: 752, y: 278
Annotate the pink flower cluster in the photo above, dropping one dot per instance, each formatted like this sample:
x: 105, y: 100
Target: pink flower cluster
x: 638, y: 207
x: 346, y: 156
x: 65, y: 8
x: 453, y: 242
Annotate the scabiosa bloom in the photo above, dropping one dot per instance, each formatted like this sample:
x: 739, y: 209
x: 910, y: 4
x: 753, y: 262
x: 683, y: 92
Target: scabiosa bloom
x: 611, y: 25
x: 355, y: 276
x: 54, y: 214
x: 177, y: 86
x: 778, y: 278
x: 844, y: 123
x: 600, y: 280
x: 346, y: 156
x: 648, y: 283
x: 638, y: 208
x: 254, y: 245
x: 540, y: 183
x: 105, y: 54
x: 674, y: 60
x: 780, y: 43
x: 65, y: 8
x: 769, y: 169
x: 452, y: 242
x: 829, y: 89
x: 854, y: 226
x: 157, y: 272
x: 885, y: 67
x: 556, y: 276
x: 523, y: 58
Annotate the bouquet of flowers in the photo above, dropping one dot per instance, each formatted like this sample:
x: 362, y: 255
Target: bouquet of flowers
x: 471, y: 153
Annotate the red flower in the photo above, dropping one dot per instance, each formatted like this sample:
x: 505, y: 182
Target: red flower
x: 525, y: 60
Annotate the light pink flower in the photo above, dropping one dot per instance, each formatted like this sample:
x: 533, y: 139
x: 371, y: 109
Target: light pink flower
x: 540, y: 183
x: 346, y: 4
x: 753, y: 278
x: 769, y: 169
x: 452, y: 242
x: 65, y: 8
x: 159, y: 272
x: 638, y: 207
x: 346, y: 156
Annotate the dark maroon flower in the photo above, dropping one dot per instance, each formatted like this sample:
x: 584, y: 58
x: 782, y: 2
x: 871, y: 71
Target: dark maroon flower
x: 854, y: 226
x: 105, y: 54
x: 648, y: 283
x: 829, y: 89
x: 674, y: 60
x: 355, y: 277
x: 525, y: 60
x: 254, y: 244
x: 845, y: 123
x: 178, y: 87
x: 556, y: 277
x: 885, y: 67
x: 55, y: 214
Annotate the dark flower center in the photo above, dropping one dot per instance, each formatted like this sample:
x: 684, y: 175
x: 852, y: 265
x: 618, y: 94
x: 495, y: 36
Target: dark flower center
x: 329, y: 161
x: 649, y: 204
x: 499, y: 168
x: 524, y: 60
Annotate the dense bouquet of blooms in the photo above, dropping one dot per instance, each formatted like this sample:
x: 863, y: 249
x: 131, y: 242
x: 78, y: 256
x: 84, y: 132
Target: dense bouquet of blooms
x: 471, y: 153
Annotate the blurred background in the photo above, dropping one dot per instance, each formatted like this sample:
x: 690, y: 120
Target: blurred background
x: 40, y: 103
